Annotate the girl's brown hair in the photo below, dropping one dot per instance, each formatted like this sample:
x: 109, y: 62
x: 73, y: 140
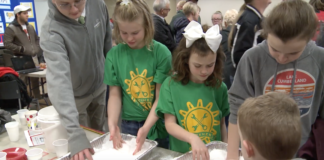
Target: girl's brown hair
x: 291, y: 19
x: 242, y: 9
x: 317, y: 4
x: 130, y: 12
x: 180, y: 61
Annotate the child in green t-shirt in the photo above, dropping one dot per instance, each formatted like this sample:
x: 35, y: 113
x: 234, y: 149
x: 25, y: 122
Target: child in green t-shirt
x: 194, y: 100
x: 134, y: 71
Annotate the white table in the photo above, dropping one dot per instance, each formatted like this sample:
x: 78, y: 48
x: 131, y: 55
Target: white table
x: 42, y: 76
x: 5, y: 142
x: 156, y: 154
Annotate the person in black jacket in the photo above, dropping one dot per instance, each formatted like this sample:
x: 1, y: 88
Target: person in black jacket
x: 191, y: 10
x: 229, y: 19
x: 181, y: 14
x: 163, y: 32
x: 247, y: 30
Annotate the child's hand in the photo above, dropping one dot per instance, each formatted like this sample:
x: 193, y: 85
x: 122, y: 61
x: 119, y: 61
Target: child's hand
x: 141, y: 136
x: 116, y: 137
x: 199, y: 149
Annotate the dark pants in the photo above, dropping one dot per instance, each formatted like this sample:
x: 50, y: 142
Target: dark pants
x: 132, y: 127
x: 227, y: 117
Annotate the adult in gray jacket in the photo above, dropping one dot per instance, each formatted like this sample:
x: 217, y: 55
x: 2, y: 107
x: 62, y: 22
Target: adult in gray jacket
x: 75, y: 37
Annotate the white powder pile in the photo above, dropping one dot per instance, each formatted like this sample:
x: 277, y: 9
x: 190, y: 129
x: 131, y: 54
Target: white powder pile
x: 126, y: 152
x: 218, y: 154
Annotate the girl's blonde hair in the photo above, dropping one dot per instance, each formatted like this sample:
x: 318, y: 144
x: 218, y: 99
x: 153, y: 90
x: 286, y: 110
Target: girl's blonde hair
x: 230, y: 16
x: 131, y: 12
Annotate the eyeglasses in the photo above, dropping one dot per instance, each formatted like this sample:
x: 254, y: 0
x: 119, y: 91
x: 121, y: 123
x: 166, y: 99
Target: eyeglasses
x: 217, y: 19
x: 67, y: 6
x: 167, y: 9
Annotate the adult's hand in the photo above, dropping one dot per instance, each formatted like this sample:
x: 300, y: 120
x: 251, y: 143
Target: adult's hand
x: 85, y: 154
x: 42, y: 65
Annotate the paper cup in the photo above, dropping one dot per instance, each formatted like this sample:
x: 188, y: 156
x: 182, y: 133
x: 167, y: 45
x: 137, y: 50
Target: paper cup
x: 34, y: 154
x: 21, y: 115
x: 3, y: 155
x: 31, y: 119
x: 61, y: 147
x: 13, y: 130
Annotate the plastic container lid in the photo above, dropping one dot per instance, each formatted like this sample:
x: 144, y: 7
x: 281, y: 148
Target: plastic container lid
x: 48, y: 114
x: 16, y: 153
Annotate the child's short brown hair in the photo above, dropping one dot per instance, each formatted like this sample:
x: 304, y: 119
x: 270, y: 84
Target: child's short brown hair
x: 181, y: 55
x: 130, y: 12
x: 291, y: 19
x: 271, y: 122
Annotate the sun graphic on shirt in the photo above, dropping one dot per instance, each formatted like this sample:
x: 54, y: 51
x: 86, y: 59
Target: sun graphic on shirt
x: 200, y: 120
x: 140, y: 88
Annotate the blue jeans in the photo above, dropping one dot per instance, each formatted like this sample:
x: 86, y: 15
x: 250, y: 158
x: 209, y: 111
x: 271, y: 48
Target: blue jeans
x: 132, y: 127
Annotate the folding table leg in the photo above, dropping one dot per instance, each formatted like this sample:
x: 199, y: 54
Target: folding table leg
x: 30, y: 89
x: 43, y: 91
x: 19, y: 103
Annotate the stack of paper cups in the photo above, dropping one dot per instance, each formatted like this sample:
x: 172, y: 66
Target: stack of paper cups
x: 21, y: 114
x: 13, y: 130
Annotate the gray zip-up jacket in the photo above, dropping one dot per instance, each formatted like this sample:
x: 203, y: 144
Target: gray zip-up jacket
x: 75, y: 57
x: 258, y: 73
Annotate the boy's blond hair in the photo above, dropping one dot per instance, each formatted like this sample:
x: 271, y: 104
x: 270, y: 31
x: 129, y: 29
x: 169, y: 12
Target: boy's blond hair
x: 190, y: 8
x: 130, y: 12
x: 271, y: 122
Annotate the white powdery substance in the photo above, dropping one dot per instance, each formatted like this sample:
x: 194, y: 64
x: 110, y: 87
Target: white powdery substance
x: 126, y: 152
x: 218, y: 154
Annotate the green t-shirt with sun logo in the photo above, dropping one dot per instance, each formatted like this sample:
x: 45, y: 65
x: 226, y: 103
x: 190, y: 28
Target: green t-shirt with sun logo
x: 197, y: 107
x: 137, y: 71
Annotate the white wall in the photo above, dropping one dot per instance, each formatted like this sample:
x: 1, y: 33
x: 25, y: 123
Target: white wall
x: 208, y: 7
x: 41, y: 9
x: 111, y: 5
x: 211, y: 6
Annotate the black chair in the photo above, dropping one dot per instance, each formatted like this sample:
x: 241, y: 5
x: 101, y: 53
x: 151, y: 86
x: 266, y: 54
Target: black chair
x: 10, y: 90
x: 7, y: 60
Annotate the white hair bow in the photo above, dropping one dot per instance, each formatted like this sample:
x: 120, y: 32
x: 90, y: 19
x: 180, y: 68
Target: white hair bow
x: 194, y: 31
x: 125, y: 2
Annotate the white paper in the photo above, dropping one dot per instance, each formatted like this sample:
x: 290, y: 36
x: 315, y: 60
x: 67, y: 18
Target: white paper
x: 1, y: 28
x: 4, y: 1
x: 9, y: 16
x: 34, y: 138
x: 28, y: 138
